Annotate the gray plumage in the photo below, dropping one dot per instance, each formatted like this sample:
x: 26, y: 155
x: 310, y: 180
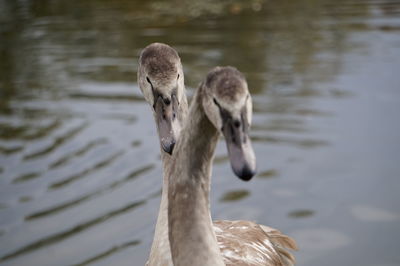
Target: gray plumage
x: 184, y: 220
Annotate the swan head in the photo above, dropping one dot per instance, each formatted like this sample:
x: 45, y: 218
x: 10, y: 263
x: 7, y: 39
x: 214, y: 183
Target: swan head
x: 227, y: 104
x: 161, y: 80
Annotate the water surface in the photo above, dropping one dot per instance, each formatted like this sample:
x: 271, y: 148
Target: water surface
x: 80, y: 173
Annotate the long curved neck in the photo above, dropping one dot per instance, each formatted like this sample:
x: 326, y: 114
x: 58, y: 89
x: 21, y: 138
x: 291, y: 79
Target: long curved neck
x: 160, y: 253
x: 191, y: 233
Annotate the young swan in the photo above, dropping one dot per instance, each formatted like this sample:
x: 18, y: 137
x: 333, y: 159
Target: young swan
x: 161, y: 80
x: 222, y: 104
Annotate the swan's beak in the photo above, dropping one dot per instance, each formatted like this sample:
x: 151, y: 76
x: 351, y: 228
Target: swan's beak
x: 240, y: 151
x: 167, y: 122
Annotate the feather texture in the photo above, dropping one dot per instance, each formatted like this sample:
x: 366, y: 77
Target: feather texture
x: 250, y: 244
x: 239, y: 242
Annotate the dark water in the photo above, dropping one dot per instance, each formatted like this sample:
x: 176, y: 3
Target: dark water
x: 80, y: 174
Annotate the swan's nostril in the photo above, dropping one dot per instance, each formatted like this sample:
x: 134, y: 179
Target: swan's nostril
x: 167, y: 101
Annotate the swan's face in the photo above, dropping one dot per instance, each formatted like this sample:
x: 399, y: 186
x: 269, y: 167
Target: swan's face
x: 160, y: 79
x: 227, y: 103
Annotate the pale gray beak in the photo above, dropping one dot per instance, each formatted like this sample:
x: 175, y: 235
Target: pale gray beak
x: 241, y: 154
x: 167, y: 123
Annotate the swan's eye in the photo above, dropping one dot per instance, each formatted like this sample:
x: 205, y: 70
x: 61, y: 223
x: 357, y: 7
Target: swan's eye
x: 216, y: 103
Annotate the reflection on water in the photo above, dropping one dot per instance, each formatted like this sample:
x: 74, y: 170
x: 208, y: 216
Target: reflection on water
x: 80, y: 173
x: 79, y: 200
x: 235, y: 195
x: 301, y: 213
x: 108, y: 252
x: 76, y: 229
x: 268, y: 173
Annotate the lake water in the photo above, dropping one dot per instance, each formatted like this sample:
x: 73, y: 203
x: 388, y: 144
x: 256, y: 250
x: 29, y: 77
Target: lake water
x: 80, y: 174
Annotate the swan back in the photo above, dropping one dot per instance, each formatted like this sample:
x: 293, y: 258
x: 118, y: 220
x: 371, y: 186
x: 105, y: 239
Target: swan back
x: 247, y: 243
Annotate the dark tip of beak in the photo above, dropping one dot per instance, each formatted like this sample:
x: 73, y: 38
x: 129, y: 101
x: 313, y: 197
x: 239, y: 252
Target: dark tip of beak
x: 246, y: 173
x: 168, y: 147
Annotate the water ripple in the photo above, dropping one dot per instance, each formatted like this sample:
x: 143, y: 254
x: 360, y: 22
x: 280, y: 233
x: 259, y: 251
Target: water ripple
x: 56, y: 143
x: 10, y: 150
x: 302, y: 213
x: 25, y: 177
x: 87, y: 171
x: 88, y: 196
x: 105, y: 97
x: 235, y: 195
x: 63, y: 160
x: 109, y: 252
x: 42, y: 131
x: 11, y: 131
x: 49, y: 240
x: 304, y: 143
x: 268, y: 174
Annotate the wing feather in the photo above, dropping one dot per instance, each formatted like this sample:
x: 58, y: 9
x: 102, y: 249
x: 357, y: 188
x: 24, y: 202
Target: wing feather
x: 247, y: 243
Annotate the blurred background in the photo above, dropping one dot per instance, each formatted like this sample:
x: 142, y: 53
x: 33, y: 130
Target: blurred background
x: 80, y: 174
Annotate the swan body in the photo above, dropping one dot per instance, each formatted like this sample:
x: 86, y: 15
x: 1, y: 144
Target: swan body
x: 161, y: 80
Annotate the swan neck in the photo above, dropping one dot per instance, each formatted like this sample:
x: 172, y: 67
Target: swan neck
x: 191, y: 233
x: 160, y: 249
